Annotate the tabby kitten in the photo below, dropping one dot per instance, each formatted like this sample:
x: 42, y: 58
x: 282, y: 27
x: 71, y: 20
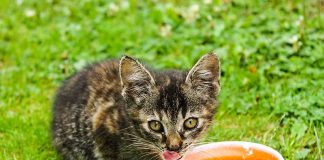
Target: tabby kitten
x: 119, y: 110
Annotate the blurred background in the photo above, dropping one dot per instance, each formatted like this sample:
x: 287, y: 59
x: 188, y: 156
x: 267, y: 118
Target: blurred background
x: 272, y: 55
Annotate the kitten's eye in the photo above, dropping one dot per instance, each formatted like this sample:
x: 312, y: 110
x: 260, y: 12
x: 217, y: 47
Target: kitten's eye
x: 190, y: 123
x: 155, y: 126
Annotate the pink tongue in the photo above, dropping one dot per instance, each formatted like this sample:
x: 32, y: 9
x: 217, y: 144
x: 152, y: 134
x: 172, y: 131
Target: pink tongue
x: 170, y: 155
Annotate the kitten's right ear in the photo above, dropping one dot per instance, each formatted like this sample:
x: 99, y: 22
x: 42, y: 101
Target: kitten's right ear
x: 136, y: 81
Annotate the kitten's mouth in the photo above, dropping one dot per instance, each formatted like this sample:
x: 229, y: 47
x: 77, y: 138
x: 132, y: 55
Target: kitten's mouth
x: 171, y: 155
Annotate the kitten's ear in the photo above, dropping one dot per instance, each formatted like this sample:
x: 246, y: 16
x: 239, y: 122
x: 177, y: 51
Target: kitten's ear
x: 136, y: 81
x: 204, y: 77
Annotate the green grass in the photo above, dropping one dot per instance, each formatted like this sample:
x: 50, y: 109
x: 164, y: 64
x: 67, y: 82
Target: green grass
x: 272, y: 63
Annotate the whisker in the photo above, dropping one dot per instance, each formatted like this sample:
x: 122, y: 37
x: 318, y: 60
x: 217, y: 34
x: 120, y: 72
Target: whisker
x: 147, y: 154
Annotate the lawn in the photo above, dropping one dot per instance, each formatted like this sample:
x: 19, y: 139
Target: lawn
x: 272, y: 55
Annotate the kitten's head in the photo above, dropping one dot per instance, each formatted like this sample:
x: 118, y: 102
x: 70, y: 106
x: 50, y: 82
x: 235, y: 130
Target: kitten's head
x: 170, y: 110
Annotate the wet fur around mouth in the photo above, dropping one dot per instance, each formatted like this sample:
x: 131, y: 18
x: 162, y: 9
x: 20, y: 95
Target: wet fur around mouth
x: 102, y: 111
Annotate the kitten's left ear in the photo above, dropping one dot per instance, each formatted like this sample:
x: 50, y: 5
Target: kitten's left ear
x: 136, y: 81
x: 204, y: 77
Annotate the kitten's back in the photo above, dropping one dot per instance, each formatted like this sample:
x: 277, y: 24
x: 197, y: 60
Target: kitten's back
x: 71, y: 125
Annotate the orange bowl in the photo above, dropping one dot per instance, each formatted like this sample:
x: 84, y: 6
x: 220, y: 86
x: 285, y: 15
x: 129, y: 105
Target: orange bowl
x: 233, y: 150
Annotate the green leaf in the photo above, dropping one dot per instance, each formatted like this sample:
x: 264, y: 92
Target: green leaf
x: 301, y: 154
x: 298, y: 128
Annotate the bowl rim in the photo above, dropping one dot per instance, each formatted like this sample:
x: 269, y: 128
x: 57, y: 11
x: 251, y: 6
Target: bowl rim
x: 244, y: 144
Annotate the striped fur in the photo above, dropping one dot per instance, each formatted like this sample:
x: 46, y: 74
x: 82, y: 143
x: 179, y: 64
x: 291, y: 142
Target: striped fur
x: 102, y: 112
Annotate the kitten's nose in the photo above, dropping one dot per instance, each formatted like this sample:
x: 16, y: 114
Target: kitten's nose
x: 174, y: 147
x: 174, y: 142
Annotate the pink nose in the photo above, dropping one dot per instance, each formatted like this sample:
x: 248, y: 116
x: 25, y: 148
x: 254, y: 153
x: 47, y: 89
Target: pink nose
x: 171, y: 155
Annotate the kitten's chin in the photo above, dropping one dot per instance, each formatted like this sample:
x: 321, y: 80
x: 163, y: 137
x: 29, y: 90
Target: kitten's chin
x: 171, y: 155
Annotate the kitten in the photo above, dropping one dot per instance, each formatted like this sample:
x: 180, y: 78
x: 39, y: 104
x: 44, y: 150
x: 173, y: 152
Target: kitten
x: 119, y: 110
